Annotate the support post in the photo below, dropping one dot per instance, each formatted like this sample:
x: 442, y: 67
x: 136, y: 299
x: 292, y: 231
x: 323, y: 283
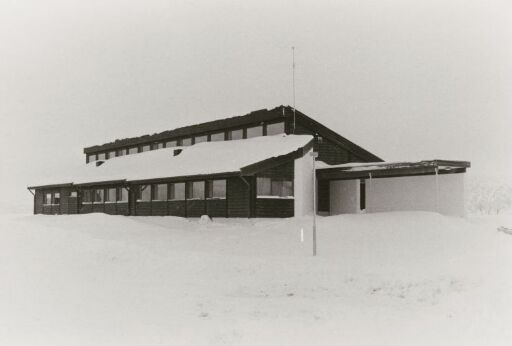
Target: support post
x: 314, y: 155
x: 437, y: 189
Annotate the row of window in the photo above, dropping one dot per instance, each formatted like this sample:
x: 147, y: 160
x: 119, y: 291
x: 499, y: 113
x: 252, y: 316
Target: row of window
x: 249, y: 132
x: 210, y: 189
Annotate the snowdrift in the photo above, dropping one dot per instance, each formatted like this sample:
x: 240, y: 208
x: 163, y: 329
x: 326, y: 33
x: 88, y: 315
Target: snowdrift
x: 392, y: 278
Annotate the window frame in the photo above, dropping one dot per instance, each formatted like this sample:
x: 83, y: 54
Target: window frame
x: 142, y: 191
x: 272, y: 189
x: 190, y: 191
x: 156, y: 189
x: 210, y: 190
x: 171, y: 191
x: 269, y: 125
x: 254, y: 127
x: 223, y: 134
x: 107, y: 195
x: 201, y: 137
x: 230, y: 134
x: 102, y: 196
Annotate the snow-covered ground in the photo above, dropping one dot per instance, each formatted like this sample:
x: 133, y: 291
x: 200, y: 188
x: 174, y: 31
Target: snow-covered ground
x: 409, y: 278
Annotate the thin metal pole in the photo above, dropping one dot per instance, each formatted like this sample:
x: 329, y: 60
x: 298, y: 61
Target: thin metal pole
x: 293, y: 83
x: 314, y: 207
x: 437, y: 189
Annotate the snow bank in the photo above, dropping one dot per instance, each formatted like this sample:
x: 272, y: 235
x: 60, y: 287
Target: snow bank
x: 386, y: 278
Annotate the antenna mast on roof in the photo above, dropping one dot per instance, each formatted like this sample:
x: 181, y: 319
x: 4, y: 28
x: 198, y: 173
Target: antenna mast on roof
x: 293, y: 84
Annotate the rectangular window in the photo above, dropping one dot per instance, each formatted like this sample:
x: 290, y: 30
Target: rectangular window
x: 171, y: 144
x: 159, y: 145
x: 195, y: 190
x: 111, y: 195
x: 102, y: 156
x: 160, y: 192
x: 235, y: 134
x: 98, y: 196
x: 47, y: 198
x: 73, y: 194
x: 121, y: 152
x: 92, y: 158
x: 215, y: 137
x: 146, y: 147
x: 177, y: 191
x: 217, y: 188
x: 144, y: 193
x: 185, y: 142
x: 111, y: 154
x: 264, y: 186
x: 87, y: 196
x: 200, y: 139
x: 282, y: 188
x: 255, y: 131
x: 122, y: 194
x: 56, y: 198
x: 275, y: 129
x: 274, y: 187
x: 133, y: 150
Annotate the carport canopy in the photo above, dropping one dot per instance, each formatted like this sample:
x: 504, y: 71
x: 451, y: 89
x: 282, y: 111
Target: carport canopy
x: 357, y: 170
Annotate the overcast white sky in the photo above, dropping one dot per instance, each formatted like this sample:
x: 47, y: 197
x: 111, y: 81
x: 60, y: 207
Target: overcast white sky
x: 404, y: 79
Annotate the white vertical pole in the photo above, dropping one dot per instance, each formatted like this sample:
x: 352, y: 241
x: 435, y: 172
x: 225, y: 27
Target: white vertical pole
x: 369, y: 191
x: 314, y: 207
x: 293, y: 84
x: 437, y: 189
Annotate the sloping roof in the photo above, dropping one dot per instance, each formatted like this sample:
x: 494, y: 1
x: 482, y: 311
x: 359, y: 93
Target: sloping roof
x: 209, y: 126
x: 389, y: 169
x: 208, y: 158
x: 256, y: 117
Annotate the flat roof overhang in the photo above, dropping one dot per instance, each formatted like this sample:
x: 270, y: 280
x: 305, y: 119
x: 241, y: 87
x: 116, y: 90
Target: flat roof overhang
x: 390, y: 169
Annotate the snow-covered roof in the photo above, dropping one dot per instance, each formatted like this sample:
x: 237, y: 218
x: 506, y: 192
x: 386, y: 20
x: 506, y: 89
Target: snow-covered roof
x: 355, y: 170
x: 200, y: 159
x: 367, y: 166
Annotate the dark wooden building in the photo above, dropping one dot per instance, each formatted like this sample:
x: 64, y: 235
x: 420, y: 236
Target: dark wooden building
x: 269, y: 172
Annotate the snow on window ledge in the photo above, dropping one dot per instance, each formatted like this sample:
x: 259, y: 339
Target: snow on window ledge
x: 216, y: 198
x: 275, y: 197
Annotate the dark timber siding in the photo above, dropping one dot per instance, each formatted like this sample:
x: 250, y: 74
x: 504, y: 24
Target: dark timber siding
x: 328, y: 152
x: 239, y: 197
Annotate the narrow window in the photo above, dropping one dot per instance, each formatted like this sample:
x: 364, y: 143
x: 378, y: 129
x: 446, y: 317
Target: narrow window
x: 146, y: 147
x: 133, y: 150
x: 171, y: 144
x: 217, y: 189
x: 235, y: 134
x: 98, y: 196
x: 362, y: 195
x: 215, y: 137
x: 195, y: 190
x: 160, y: 192
x: 56, y: 198
x: 144, y: 193
x: 111, y: 195
x: 255, y: 131
x: 177, y: 191
x: 102, y: 156
x: 111, y: 154
x: 275, y: 129
x: 87, y: 196
x: 92, y: 158
x: 47, y: 198
x: 122, y: 194
x: 263, y: 186
x: 121, y: 152
x: 200, y: 139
